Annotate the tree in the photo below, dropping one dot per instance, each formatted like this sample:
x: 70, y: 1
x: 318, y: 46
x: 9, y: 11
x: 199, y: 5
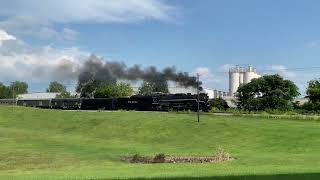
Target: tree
x: 159, y: 84
x: 56, y: 87
x: 117, y: 91
x: 18, y: 87
x: 105, y: 92
x: 313, y: 94
x: 155, y: 84
x: 146, y: 89
x: 124, y: 90
x: 219, y: 103
x: 65, y: 94
x: 89, y: 83
x: 4, y: 92
x: 267, y: 92
x: 313, y: 91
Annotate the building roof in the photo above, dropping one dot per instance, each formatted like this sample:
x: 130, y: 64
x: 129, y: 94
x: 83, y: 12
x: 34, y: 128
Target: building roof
x: 37, y: 96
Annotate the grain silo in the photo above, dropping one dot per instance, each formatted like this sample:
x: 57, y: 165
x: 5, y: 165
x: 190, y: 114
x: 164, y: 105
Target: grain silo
x: 239, y: 75
x: 250, y: 74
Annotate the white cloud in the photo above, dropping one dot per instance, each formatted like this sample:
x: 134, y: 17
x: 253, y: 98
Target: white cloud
x: 281, y: 70
x: 4, y: 36
x: 225, y: 67
x: 203, y: 71
x: 313, y: 44
x: 70, y: 34
x: 34, y: 18
x: 20, y: 61
x: 62, y: 11
x: 32, y: 27
x: 213, y: 80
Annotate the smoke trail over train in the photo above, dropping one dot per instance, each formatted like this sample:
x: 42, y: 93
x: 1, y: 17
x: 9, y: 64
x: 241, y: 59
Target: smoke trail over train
x: 98, y: 69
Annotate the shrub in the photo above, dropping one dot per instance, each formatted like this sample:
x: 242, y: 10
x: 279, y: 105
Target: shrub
x: 159, y: 158
x: 219, y: 104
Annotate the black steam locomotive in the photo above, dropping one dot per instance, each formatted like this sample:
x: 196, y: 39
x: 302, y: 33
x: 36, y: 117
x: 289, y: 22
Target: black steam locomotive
x: 158, y: 102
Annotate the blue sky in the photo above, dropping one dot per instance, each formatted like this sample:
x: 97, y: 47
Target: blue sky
x: 207, y: 35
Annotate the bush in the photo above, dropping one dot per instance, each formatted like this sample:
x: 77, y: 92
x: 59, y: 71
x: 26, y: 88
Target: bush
x: 219, y: 104
x: 159, y: 158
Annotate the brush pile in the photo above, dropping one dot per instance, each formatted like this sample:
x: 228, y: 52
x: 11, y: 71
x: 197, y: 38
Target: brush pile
x: 218, y: 157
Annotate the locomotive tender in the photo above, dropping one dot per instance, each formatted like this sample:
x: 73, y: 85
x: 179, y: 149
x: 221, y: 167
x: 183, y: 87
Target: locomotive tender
x: 157, y: 102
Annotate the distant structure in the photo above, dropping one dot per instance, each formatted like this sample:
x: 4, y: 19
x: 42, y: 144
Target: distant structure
x: 240, y: 75
x: 37, y: 95
x: 212, y: 93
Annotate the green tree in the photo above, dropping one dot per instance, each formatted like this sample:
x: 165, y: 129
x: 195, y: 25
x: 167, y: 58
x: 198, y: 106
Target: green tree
x: 56, y: 87
x: 155, y: 84
x: 124, y: 90
x: 105, y: 92
x: 313, y: 91
x: 18, y: 87
x: 219, y: 103
x: 65, y: 94
x: 159, y: 83
x: 267, y: 92
x: 4, y: 92
x: 146, y: 89
x: 313, y: 94
x: 89, y: 83
x: 117, y: 91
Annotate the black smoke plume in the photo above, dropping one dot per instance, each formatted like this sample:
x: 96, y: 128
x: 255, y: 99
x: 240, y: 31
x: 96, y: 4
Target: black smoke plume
x: 95, y: 69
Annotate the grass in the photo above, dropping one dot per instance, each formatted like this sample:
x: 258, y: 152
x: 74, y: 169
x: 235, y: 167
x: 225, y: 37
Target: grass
x: 53, y: 144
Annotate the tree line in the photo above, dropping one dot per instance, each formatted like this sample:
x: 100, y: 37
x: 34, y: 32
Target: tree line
x: 273, y: 92
x: 94, y: 89
x: 269, y: 92
x: 11, y: 91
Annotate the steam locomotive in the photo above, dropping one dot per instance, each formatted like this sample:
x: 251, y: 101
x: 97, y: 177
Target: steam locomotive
x: 157, y: 102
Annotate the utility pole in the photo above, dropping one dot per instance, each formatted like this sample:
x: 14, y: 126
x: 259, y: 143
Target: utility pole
x: 198, y: 94
x: 13, y: 102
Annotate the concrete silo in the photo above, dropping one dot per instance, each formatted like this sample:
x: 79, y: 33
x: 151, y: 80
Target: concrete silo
x: 234, y: 80
x: 250, y: 74
x: 239, y: 75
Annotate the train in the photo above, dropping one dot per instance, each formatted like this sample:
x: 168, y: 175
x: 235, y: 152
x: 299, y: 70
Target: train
x: 157, y: 102
x: 7, y: 101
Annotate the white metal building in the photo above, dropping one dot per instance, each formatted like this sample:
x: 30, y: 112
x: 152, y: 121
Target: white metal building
x: 212, y: 93
x: 38, y: 95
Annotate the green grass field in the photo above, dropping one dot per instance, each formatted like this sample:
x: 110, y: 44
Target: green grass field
x: 53, y: 144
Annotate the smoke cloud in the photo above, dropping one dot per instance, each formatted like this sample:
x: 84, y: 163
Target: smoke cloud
x: 110, y: 71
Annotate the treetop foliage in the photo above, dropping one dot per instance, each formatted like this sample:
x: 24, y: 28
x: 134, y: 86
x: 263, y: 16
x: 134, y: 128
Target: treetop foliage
x: 156, y: 84
x: 219, y: 103
x: 14, y: 89
x: 267, y: 92
x: 116, y: 91
x: 56, y: 87
x: 313, y: 91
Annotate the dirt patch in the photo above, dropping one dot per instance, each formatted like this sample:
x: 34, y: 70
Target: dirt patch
x: 219, y: 156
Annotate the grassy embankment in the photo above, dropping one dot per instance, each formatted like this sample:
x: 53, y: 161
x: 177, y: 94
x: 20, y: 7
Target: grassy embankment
x: 52, y: 144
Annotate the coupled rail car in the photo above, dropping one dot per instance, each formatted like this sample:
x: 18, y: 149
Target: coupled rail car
x: 158, y: 102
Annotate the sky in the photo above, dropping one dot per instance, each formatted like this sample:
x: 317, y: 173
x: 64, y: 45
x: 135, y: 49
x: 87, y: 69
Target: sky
x: 206, y: 36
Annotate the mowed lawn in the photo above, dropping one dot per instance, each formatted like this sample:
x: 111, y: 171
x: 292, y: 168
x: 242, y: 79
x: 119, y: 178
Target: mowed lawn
x: 54, y: 144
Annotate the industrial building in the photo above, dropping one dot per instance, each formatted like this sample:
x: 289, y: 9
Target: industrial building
x: 240, y: 75
x: 212, y: 93
x: 38, y: 95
